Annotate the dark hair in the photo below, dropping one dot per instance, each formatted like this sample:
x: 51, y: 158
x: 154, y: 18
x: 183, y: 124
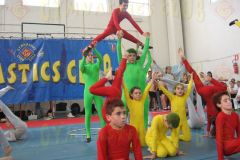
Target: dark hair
x: 209, y: 73
x: 173, y: 119
x: 112, y: 104
x: 167, y: 68
x: 132, y: 90
x: 217, y: 98
x: 123, y: 1
x: 132, y: 50
x: 87, y: 51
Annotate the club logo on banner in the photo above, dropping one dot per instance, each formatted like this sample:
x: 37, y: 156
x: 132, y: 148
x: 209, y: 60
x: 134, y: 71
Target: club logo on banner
x: 26, y: 52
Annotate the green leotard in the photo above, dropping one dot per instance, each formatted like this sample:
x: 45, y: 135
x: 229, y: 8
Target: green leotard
x: 90, y: 72
x: 135, y: 75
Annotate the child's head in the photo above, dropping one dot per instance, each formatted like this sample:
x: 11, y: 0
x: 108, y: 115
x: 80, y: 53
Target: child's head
x: 132, y: 55
x: 179, y: 89
x: 116, y: 113
x: 222, y: 101
x: 209, y: 73
x: 89, y: 57
x: 238, y: 84
x: 150, y: 73
x: 135, y: 93
x: 172, y: 120
x: 168, y: 70
x: 123, y: 5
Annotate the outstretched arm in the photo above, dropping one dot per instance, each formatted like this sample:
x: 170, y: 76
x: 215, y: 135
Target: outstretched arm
x: 145, y: 50
x: 189, y: 68
x: 119, y: 46
x: 99, y: 57
x: 189, y: 89
x: 165, y: 91
x: 82, y: 64
x: 149, y: 62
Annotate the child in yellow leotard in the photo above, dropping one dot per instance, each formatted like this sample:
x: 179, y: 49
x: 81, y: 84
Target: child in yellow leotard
x: 178, y: 105
x: 156, y: 138
x: 135, y: 102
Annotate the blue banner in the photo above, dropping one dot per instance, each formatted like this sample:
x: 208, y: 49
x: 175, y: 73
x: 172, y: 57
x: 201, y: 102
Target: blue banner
x: 47, y: 69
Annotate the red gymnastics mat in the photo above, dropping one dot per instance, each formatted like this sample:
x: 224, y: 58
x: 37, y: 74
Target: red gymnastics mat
x: 55, y: 122
x: 159, y: 112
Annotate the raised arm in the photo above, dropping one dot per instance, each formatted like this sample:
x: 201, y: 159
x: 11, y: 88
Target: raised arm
x: 165, y: 91
x: 119, y: 46
x: 117, y: 82
x: 196, y: 79
x: 82, y: 64
x: 178, y: 73
x: 145, y: 50
x: 149, y: 62
x: 126, y: 93
x: 189, y: 88
x: 146, y: 91
x: 99, y: 57
x: 157, y: 68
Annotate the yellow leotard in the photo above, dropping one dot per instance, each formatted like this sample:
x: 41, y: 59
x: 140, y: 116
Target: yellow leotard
x: 178, y: 105
x: 157, y: 140
x: 136, y: 109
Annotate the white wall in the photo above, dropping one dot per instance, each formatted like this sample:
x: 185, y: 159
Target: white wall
x: 208, y: 36
x: 89, y: 24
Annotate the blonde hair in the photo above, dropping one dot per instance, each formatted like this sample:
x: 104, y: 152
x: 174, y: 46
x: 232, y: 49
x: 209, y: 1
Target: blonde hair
x: 178, y: 84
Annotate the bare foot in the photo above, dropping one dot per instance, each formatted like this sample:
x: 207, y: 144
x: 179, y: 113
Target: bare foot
x: 109, y: 74
x: 6, y: 158
x: 7, y: 151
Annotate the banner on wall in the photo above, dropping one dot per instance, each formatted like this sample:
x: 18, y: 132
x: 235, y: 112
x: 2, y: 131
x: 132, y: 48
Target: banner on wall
x: 47, y: 69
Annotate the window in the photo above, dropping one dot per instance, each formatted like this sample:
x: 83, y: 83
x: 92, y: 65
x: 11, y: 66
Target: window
x: 139, y: 7
x: 91, y: 5
x: 213, y: 1
x: 2, y: 2
x: 42, y: 3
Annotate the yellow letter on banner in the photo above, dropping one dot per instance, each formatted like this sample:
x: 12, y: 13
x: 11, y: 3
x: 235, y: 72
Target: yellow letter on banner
x: 71, y: 65
x: 24, y: 68
x: 56, y: 76
x: 12, y: 79
x: 44, y: 75
x: 35, y: 72
x: 106, y: 63
x: 1, y: 75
